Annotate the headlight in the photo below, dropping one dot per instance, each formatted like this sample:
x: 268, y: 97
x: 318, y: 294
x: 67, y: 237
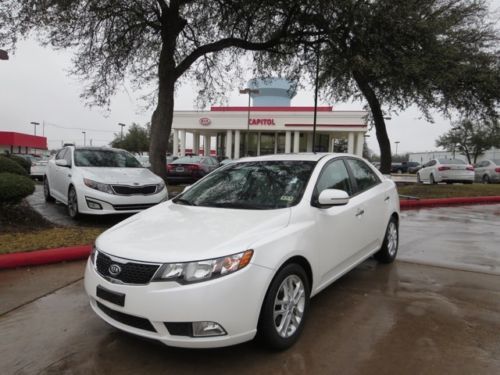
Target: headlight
x: 160, y: 187
x: 192, y: 272
x: 98, y: 186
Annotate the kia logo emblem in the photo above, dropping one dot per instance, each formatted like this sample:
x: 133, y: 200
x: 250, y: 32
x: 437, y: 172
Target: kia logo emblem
x: 114, y: 270
x: 205, y: 121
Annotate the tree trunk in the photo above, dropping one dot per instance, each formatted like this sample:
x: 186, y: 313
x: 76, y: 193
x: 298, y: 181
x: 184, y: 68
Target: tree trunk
x: 161, y: 121
x: 378, y: 119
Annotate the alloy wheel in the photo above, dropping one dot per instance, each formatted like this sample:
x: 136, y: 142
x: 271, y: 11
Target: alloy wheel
x: 392, y: 238
x: 289, y: 306
x: 72, y: 203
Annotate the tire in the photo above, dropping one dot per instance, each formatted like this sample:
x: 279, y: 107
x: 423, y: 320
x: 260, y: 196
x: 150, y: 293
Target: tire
x: 432, y: 180
x: 389, y: 249
x: 46, y: 191
x: 272, y: 329
x: 486, y: 179
x: 419, y: 180
x: 73, y: 203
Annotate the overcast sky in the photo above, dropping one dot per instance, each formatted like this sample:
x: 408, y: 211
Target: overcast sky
x: 35, y: 86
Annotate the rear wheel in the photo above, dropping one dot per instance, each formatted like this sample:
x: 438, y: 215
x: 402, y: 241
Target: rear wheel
x: 46, y: 191
x: 285, y: 308
x: 389, y: 249
x: 73, y: 203
x: 486, y: 179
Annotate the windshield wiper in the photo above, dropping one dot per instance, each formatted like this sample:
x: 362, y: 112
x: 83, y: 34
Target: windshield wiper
x: 184, y: 201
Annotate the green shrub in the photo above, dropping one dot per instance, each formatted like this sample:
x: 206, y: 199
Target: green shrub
x: 14, y: 187
x: 25, y: 163
x: 7, y: 165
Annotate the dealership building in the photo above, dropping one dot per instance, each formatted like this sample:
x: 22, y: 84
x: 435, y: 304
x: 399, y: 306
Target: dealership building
x: 21, y: 143
x: 269, y: 126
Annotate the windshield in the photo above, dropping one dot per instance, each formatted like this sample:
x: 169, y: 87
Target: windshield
x: 105, y: 158
x: 262, y: 185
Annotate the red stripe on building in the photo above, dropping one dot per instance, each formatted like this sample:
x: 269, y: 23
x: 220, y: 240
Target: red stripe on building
x: 23, y: 140
x: 270, y: 109
x: 329, y: 125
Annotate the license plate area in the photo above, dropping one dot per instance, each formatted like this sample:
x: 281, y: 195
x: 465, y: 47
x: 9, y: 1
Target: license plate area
x: 179, y: 169
x: 110, y: 296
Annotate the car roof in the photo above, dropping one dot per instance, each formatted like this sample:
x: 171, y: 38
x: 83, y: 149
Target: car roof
x: 301, y: 156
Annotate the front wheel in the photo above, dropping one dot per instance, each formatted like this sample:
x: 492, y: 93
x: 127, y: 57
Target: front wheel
x: 46, y: 191
x: 73, y: 203
x: 285, y: 308
x: 419, y: 180
x: 389, y: 249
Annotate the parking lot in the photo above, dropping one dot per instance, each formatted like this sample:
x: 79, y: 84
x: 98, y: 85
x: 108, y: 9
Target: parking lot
x: 435, y: 310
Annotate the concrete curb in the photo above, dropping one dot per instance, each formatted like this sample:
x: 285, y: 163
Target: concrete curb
x: 421, y: 203
x: 39, y: 257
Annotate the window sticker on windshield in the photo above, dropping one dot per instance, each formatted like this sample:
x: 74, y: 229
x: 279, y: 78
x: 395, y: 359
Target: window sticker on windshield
x: 287, y: 198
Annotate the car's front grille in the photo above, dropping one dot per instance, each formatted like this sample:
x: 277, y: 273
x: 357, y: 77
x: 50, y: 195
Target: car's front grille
x: 129, y: 320
x: 134, y: 190
x: 130, y: 207
x: 130, y: 273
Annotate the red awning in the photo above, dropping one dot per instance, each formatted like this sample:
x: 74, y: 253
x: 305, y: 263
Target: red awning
x: 23, y: 140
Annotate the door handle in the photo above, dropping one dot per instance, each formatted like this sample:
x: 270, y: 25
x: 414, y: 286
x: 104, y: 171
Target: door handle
x: 360, y: 212
x: 69, y: 174
x: 387, y: 198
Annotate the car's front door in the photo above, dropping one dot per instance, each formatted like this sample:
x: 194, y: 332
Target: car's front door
x: 337, y: 229
x: 57, y: 176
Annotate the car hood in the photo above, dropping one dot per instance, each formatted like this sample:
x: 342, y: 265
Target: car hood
x: 126, y: 176
x: 171, y: 232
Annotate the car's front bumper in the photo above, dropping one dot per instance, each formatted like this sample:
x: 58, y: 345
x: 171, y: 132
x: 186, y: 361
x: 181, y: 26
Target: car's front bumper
x: 116, y: 204
x: 233, y: 301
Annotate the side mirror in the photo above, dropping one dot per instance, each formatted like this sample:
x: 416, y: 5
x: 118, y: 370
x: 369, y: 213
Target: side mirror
x: 333, y: 197
x: 62, y: 163
x: 186, y: 188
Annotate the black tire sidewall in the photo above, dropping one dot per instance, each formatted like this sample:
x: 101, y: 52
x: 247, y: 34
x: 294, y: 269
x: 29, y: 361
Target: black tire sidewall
x: 266, y: 331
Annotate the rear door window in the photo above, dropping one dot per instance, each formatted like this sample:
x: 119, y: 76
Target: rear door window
x: 363, y: 175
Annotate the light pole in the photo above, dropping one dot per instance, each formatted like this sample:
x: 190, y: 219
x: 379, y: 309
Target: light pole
x: 84, y: 138
x: 247, y: 137
x: 121, y: 131
x: 397, y: 144
x: 35, y: 124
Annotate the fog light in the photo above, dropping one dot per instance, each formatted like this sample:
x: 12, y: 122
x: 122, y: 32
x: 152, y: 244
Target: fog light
x: 94, y: 205
x: 202, y: 329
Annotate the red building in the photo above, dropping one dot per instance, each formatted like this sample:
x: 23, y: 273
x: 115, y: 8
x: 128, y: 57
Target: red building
x: 20, y: 143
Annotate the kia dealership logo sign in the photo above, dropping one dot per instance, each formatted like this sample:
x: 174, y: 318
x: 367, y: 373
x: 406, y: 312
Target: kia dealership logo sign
x: 205, y: 121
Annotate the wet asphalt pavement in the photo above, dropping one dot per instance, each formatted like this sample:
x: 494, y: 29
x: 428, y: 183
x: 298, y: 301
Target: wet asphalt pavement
x: 435, y: 310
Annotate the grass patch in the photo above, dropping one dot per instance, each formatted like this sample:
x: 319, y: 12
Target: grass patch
x: 449, y: 191
x: 47, y: 238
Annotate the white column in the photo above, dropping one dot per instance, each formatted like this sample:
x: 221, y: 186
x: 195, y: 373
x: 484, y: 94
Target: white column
x: 196, y: 143
x: 258, y: 143
x: 350, y: 143
x: 288, y: 142
x: 275, y: 143
x: 360, y: 140
x: 296, y: 141
x: 206, y: 145
x: 229, y: 144
x: 330, y: 143
x: 176, y: 143
x: 183, y: 142
x: 309, y: 142
x: 236, y: 144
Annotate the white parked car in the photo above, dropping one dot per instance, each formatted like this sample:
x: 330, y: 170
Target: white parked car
x: 39, y: 168
x: 98, y: 181
x: 446, y: 170
x: 488, y: 171
x: 241, y: 252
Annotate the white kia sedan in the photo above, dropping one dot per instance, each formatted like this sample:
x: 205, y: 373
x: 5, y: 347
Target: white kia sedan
x: 446, y: 170
x: 488, y: 171
x: 99, y: 181
x: 241, y: 252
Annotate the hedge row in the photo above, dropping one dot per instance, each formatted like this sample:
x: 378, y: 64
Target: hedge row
x: 10, y: 165
x: 14, y: 187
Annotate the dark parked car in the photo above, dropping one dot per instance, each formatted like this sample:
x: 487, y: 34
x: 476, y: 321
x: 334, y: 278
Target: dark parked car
x: 190, y: 168
x: 405, y: 167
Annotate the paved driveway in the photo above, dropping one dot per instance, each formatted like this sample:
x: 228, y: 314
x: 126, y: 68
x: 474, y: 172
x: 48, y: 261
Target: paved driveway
x: 424, y: 314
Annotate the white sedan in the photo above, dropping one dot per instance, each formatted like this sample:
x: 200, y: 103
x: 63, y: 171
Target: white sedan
x: 98, y: 181
x: 446, y: 170
x: 242, y: 251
